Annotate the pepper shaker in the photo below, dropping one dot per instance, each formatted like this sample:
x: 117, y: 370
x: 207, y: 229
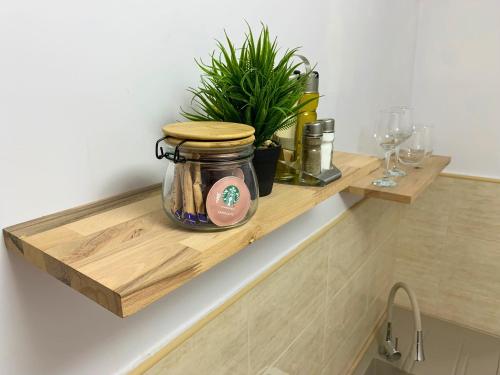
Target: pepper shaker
x: 311, y: 148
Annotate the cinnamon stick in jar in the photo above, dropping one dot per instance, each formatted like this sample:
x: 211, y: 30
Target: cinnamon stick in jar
x: 176, y: 194
x: 187, y: 194
x: 198, y: 194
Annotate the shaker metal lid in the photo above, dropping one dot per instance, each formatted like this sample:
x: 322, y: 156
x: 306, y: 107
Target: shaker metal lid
x: 313, y: 129
x: 328, y: 125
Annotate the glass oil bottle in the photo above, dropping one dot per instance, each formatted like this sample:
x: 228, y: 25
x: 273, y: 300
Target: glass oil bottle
x: 308, y: 111
x: 286, y: 138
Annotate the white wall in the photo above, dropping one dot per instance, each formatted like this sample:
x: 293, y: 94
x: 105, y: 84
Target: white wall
x: 457, y: 81
x: 84, y: 89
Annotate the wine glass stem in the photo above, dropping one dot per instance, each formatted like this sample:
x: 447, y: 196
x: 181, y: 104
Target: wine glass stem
x: 396, y: 161
x: 387, y: 161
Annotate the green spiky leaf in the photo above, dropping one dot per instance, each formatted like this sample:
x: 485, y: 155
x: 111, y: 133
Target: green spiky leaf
x: 249, y: 85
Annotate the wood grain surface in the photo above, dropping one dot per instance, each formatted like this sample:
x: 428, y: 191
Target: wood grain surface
x: 409, y: 187
x: 211, y: 144
x: 124, y: 253
x: 208, y: 130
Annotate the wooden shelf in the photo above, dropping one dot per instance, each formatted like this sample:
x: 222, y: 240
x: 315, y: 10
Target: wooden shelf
x: 408, y: 188
x: 124, y: 253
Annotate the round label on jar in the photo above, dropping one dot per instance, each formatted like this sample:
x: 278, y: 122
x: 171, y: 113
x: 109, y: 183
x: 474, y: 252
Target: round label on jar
x: 228, y: 201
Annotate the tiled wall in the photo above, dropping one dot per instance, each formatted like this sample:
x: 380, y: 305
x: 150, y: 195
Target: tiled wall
x: 312, y: 315
x: 448, y: 250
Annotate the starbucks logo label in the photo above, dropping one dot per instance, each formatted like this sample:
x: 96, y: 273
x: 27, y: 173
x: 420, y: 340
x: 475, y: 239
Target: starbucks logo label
x: 228, y: 201
x: 230, y: 195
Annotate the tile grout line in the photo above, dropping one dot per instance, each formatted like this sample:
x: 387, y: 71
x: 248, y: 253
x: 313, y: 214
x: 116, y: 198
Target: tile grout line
x: 365, y: 261
x: 292, y: 343
x: 370, y: 302
x: 168, y: 348
x: 323, y: 315
x: 498, y: 365
x: 159, y: 354
x: 446, y: 236
x: 378, y: 322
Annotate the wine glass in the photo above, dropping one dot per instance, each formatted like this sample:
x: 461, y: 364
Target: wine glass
x: 413, y: 150
x: 429, y: 147
x: 385, y: 137
x: 403, y: 129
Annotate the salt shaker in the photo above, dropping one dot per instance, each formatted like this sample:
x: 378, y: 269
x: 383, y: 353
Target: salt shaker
x: 327, y: 143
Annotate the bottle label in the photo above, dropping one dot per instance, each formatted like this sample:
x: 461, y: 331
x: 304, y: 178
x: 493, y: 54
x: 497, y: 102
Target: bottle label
x: 228, y: 201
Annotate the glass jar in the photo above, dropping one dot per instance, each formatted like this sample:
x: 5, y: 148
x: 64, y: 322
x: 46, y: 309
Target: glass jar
x: 206, y: 187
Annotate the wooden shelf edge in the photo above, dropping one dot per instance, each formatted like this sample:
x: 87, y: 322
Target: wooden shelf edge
x: 409, y: 188
x: 80, y: 212
x: 124, y: 254
x: 93, y: 290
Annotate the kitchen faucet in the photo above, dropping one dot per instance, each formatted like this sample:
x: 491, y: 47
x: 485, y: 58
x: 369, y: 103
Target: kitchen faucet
x: 390, y: 347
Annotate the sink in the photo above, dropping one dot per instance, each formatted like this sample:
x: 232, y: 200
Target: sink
x: 378, y: 367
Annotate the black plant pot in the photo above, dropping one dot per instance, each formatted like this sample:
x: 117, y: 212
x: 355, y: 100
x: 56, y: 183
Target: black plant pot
x: 264, y: 162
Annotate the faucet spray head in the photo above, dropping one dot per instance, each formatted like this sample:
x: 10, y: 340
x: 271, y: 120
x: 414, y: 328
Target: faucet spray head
x: 419, y: 347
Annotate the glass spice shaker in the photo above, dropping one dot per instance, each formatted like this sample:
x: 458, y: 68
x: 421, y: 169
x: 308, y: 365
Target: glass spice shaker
x: 327, y: 144
x: 311, y: 149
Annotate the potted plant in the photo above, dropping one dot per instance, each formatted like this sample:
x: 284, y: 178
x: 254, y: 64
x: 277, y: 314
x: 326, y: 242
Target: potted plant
x: 251, y: 85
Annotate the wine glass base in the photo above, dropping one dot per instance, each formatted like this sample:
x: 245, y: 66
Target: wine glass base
x: 396, y: 172
x: 384, y: 182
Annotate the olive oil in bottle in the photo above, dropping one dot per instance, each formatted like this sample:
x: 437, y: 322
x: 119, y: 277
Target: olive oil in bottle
x: 308, y: 112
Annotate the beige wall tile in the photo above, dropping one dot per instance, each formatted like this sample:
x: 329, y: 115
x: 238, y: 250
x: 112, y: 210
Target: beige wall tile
x: 343, y: 312
x: 449, y: 252
x: 420, y: 262
x: 349, y: 246
x: 317, y: 308
x: 352, y: 240
x: 316, y: 311
x: 362, y: 258
x: 305, y: 355
x: 420, y: 239
x: 470, y: 285
x: 476, y: 210
x: 350, y: 305
x: 221, y: 347
x: 386, y: 216
x: 433, y: 207
x: 282, y: 306
x: 474, y: 267
x: 381, y: 270
x: 342, y: 360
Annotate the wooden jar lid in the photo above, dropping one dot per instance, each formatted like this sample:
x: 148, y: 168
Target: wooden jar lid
x: 208, y: 131
x: 211, y: 144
